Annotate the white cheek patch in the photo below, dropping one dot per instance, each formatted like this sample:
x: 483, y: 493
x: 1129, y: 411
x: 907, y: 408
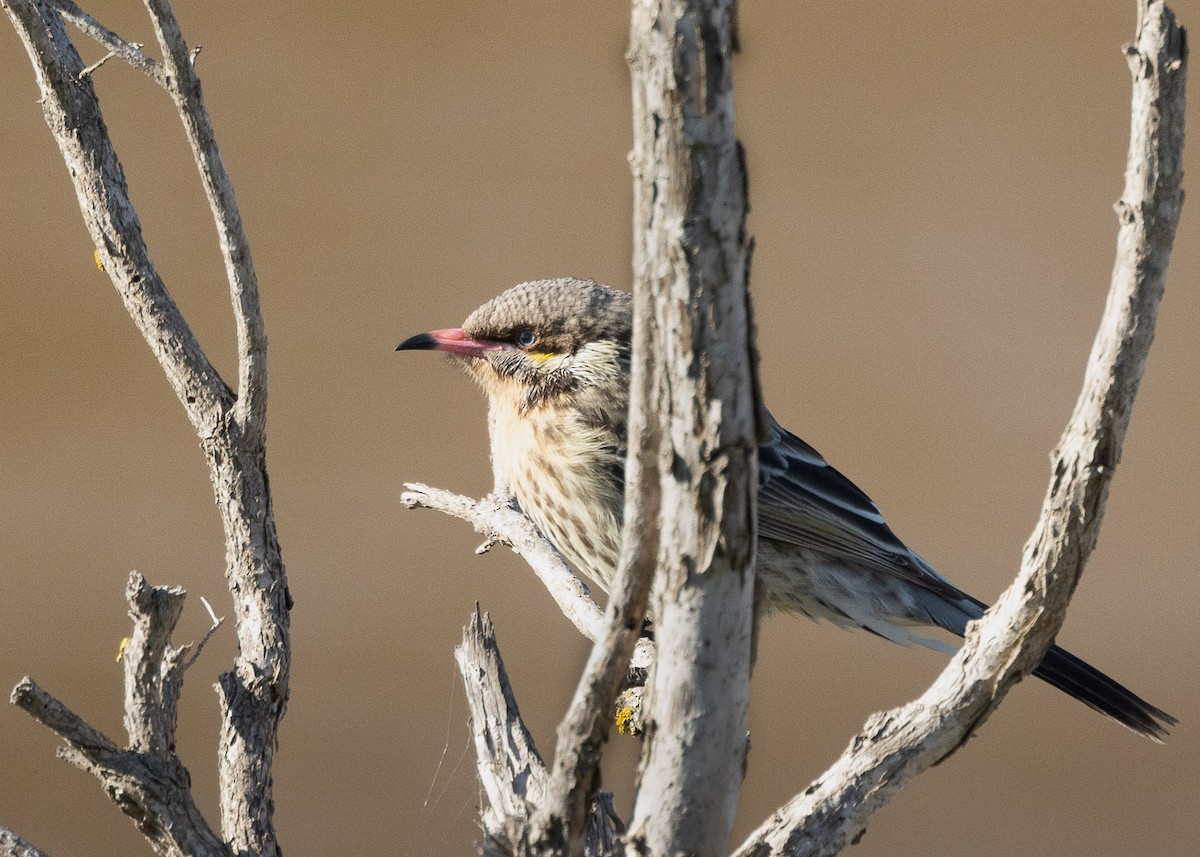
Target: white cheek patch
x: 595, y: 363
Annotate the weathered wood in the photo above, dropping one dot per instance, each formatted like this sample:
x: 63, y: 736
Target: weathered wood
x: 12, y: 845
x: 511, y: 771
x: 229, y: 425
x: 151, y: 786
x: 691, y: 263
x: 498, y: 519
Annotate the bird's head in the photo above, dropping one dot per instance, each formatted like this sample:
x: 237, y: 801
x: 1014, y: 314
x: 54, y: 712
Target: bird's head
x: 541, y: 341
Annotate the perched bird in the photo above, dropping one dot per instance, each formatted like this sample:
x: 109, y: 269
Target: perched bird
x: 553, y: 358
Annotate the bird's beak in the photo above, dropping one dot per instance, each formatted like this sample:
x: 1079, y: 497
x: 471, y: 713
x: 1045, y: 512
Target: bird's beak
x: 453, y: 340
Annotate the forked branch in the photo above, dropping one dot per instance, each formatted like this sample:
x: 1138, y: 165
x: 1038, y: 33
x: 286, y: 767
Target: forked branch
x: 229, y: 425
x: 148, y: 780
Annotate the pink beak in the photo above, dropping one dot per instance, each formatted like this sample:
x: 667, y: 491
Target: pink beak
x: 453, y: 340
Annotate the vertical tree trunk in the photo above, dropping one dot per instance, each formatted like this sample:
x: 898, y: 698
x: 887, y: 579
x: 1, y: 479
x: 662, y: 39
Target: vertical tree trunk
x: 691, y: 258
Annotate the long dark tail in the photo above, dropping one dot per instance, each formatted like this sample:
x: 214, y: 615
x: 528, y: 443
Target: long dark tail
x: 1093, y: 688
x: 1075, y: 677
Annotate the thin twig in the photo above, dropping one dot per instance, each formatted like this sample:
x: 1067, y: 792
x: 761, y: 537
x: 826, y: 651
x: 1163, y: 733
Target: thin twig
x: 218, y: 188
x: 73, y: 114
x: 91, y: 68
x: 498, y: 519
x: 208, y: 635
x: 131, y: 52
x: 212, y: 614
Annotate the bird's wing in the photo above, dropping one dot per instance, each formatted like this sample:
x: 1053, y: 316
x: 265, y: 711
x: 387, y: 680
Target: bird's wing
x: 804, y: 501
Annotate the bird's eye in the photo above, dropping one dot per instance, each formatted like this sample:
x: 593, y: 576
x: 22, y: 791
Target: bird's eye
x: 525, y: 338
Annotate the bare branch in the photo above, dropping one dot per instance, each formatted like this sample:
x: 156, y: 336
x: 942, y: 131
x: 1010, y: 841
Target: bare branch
x: 131, y: 52
x: 254, y: 694
x: 153, y: 788
x: 151, y: 691
x: 560, y: 826
x: 498, y: 519
x: 12, y: 845
x: 691, y: 265
x: 511, y: 771
x: 91, y: 68
x: 148, y: 781
x: 73, y: 114
x: 45, y: 709
x: 510, y: 768
x: 1014, y: 635
x: 186, y: 663
x: 184, y: 86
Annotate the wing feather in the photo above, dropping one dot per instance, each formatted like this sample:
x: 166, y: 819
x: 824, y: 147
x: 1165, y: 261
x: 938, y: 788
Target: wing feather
x: 806, y: 502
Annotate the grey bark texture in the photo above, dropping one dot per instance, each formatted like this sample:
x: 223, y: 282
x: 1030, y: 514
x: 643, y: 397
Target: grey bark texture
x: 229, y: 425
x: 147, y: 780
x: 691, y: 264
x: 514, y: 778
x: 14, y: 846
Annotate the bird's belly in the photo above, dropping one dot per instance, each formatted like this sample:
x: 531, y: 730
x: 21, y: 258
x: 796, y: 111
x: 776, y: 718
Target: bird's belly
x: 823, y: 587
x: 562, y: 479
x: 573, y: 513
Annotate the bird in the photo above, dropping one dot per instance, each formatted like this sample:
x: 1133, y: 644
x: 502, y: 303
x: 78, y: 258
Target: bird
x: 553, y: 358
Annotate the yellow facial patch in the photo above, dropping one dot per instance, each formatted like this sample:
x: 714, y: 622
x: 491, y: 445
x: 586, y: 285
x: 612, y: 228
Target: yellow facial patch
x: 541, y: 356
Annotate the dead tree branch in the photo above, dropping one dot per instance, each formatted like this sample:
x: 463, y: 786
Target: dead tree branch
x: 564, y: 818
x: 12, y: 845
x: 511, y: 770
x: 184, y: 87
x: 512, y: 773
x: 148, y: 781
x: 690, y: 248
x: 230, y: 426
x: 691, y: 269
x: 498, y: 519
x: 128, y: 51
x: 1011, y: 639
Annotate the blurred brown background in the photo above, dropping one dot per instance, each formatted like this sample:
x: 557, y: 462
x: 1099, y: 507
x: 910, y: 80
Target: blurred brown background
x: 932, y: 190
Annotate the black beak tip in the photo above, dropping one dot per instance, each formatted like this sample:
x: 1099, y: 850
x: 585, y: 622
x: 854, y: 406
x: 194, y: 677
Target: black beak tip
x: 420, y: 342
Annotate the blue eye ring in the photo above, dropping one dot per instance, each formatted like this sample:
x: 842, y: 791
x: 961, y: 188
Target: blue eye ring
x: 525, y: 338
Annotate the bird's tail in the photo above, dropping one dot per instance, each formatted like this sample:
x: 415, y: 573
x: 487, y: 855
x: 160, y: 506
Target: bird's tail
x: 1093, y: 688
x: 1076, y: 677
